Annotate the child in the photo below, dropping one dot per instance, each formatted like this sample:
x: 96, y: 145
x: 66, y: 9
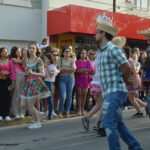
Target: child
x: 50, y: 74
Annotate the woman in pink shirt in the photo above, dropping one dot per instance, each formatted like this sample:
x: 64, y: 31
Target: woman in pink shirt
x: 82, y: 79
x: 7, y: 78
x: 18, y: 61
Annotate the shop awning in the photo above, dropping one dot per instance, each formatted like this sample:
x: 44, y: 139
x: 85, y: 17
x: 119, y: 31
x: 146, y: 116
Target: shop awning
x: 77, y: 19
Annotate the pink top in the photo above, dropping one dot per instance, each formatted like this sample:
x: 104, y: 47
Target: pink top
x: 18, y: 68
x: 82, y: 80
x: 9, y: 68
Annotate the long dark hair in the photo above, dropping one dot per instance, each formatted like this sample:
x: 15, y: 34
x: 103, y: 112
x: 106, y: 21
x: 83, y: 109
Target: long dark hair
x: 147, y: 62
x: 78, y: 56
x: 49, y: 56
x: 1, y: 50
x: 127, y: 51
x: 63, y: 50
x: 14, y: 49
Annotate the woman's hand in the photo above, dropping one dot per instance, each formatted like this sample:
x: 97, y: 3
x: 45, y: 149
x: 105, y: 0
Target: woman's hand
x: 84, y: 70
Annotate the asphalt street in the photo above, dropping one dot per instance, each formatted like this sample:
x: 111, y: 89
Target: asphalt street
x: 68, y: 134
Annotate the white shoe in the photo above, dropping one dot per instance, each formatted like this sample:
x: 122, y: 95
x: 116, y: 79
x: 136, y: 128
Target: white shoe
x: 34, y: 125
x: 1, y: 118
x: 41, y: 113
x: 22, y: 116
x: 17, y: 117
x: 7, y: 118
x: 54, y: 114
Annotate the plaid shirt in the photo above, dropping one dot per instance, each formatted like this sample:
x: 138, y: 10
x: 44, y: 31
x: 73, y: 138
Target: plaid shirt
x: 110, y: 73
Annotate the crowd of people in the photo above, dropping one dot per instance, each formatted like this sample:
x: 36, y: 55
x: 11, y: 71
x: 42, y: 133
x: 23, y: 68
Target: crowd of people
x: 67, y: 76
x: 39, y: 79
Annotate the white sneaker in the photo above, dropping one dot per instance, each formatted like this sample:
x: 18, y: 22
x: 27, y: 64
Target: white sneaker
x: 7, y: 118
x: 54, y: 114
x: 41, y: 113
x: 34, y: 125
x: 22, y: 116
x: 17, y: 117
x: 1, y: 118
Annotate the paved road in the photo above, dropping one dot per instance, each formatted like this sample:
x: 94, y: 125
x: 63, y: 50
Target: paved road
x: 68, y: 135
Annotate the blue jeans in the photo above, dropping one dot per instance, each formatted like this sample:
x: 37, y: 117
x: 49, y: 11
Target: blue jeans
x: 113, y: 123
x: 50, y: 85
x: 66, y: 85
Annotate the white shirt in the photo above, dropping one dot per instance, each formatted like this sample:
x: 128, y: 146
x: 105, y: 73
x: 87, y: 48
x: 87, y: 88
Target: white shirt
x: 52, y: 68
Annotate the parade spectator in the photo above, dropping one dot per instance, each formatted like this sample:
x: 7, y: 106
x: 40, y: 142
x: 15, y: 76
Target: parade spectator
x: 82, y: 79
x: 7, y: 81
x: 44, y: 43
x: 66, y: 80
x: 50, y: 75
x: 17, y: 60
x: 56, y: 92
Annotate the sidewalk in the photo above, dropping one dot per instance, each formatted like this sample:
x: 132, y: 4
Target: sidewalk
x: 29, y: 119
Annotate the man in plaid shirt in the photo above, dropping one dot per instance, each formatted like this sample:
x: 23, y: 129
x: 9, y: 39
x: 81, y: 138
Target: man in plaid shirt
x: 114, y: 72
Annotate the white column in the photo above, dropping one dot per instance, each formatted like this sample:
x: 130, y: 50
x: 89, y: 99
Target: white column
x: 45, y: 8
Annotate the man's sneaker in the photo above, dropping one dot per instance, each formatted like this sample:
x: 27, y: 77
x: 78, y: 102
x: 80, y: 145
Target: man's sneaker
x: 1, y: 118
x: 34, y: 125
x: 85, y: 123
x: 138, y: 115
x: 101, y: 132
x: 22, y: 116
x: 7, y: 118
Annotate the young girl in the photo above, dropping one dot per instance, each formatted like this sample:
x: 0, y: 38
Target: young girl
x: 7, y: 80
x: 50, y: 75
x: 136, y: 86
x: 15, y: 56
x: 34, y: 87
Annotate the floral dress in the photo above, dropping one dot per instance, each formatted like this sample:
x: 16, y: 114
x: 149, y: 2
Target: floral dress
x: 34, y: 86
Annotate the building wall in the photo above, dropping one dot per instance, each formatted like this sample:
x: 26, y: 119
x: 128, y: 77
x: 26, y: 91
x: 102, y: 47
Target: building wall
x: 20, y: 23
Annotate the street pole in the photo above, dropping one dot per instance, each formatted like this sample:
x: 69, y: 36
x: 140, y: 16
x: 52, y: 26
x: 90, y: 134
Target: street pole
x: 114, y: 5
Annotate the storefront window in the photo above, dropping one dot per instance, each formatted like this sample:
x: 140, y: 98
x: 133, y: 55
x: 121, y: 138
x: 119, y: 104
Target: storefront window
x: 85, y: 43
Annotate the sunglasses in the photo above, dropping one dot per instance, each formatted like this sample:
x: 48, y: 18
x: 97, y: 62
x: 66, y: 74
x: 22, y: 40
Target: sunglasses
x: 55, y: 54
x: 67, y: 51
x: 92, y: 54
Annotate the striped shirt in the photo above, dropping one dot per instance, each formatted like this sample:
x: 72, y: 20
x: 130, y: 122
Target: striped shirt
x: 110, y: 73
